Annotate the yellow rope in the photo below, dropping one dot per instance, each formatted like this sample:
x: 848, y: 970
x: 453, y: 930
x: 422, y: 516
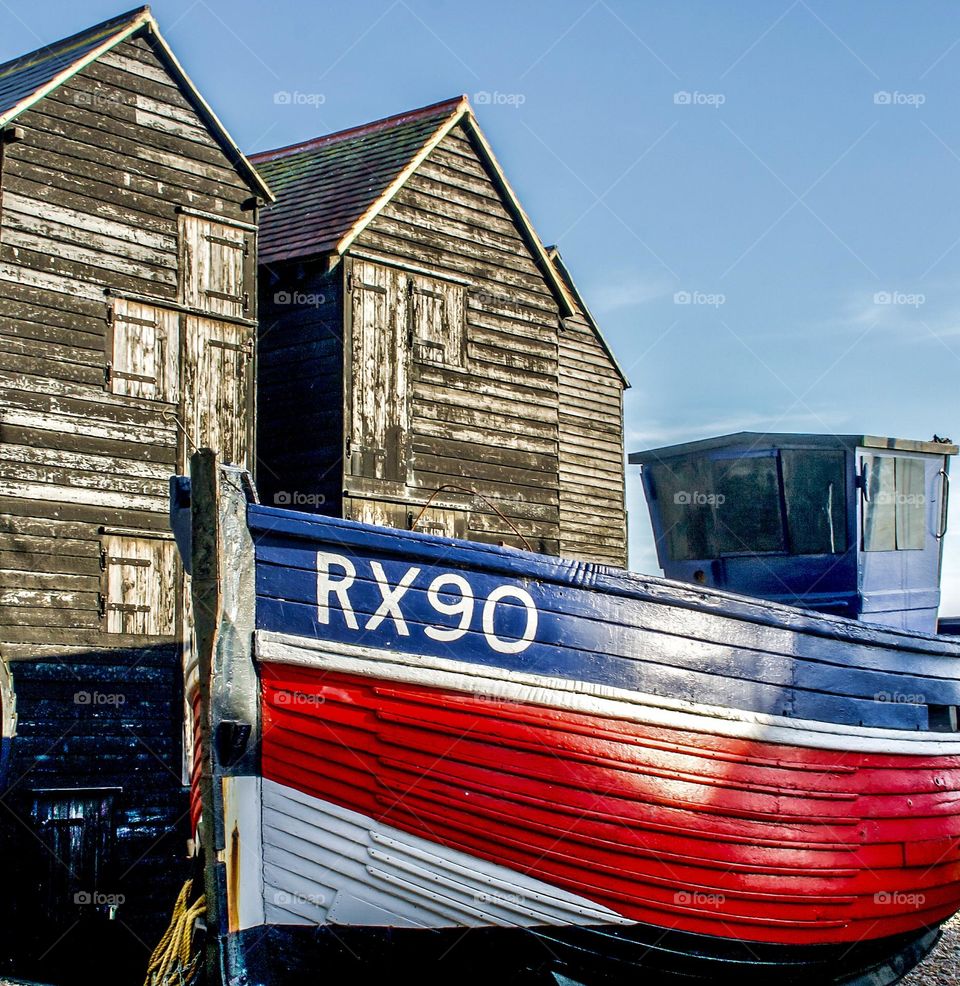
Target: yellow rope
x: 171, y: 962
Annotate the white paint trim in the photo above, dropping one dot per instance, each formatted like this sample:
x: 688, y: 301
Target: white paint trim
x: 242, y: 801
x: 596, y: 699
x: 324, y: 864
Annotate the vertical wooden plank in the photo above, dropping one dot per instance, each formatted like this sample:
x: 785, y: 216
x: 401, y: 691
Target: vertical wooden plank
x: 380, y: 445
x: 217, y: 388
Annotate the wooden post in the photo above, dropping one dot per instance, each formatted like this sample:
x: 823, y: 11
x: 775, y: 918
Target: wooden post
x: 224, y: 614
x: 207, y: 564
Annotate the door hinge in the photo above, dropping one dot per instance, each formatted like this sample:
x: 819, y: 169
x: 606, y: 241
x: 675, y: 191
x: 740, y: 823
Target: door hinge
x: 350, y: 282
x: 101, y: 605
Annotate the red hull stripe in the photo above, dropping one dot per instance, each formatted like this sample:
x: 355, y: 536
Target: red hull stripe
x: 715, y: 835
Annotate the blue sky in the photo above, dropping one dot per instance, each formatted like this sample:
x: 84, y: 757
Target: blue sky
x: 759, y: 200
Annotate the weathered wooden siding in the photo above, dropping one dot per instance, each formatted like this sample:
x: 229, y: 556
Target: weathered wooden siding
x: 491, y: 424
x: 89, y: 206
x: 592, y: 507
x: 300, y: 387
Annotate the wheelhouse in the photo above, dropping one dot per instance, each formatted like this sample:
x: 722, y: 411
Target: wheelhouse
x: 844, y: 524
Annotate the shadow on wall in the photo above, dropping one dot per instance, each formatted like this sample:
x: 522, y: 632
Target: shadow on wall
x: 93, y: 815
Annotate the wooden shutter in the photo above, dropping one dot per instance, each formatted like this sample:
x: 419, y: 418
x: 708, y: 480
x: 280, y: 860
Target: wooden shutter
x: 144, y: 351
x: 379, y: 427
x: 212, y: 263
x: 217, y: 390
x: 139, y: 588
x: 437, y: 321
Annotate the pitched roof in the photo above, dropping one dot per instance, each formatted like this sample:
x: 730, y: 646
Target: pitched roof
x: 328, y: 189
x: 325, y: 186
x: 554, y: 254
x: 27, y: 79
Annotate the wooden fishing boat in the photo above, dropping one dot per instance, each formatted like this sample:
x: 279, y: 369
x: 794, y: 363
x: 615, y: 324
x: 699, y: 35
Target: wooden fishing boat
x: 460, y: 761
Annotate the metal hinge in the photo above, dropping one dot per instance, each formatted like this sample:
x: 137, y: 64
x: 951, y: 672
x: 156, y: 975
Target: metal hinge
x: 349, y: 282
x: 101, y: 605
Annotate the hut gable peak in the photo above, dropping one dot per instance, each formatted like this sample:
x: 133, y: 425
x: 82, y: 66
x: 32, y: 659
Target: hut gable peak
x: 329, y: 189
x: 26, y: 80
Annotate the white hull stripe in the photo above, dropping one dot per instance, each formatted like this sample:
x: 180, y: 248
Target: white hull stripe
x: 327, y: 865
x: 596, y: 699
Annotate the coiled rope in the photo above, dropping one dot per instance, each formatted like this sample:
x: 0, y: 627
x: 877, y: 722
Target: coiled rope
x: 171, y: 963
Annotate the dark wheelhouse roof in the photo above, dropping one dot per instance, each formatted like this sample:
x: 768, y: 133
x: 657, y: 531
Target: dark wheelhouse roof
x: 759, y: 439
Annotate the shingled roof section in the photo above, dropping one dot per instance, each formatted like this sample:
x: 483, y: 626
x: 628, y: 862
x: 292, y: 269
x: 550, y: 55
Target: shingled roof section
x: 21, y: 77
x: 325, y: 186
x: 27, y: 79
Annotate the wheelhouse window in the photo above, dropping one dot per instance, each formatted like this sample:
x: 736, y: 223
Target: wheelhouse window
x: 779, y: 502
x: 894, y: 503
x: 748, y: 511
x: 813, y: 492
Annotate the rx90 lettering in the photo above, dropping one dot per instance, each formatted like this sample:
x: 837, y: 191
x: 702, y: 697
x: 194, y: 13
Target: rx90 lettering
x: 450, y: 597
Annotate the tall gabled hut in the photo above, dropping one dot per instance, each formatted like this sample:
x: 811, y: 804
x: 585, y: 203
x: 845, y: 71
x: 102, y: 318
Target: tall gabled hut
x: 424, y: 360
x: 128, y: 225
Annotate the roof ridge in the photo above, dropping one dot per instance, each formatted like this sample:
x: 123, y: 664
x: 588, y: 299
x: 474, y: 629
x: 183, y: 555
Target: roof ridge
x: 64, y: 44
x: 375, y: 126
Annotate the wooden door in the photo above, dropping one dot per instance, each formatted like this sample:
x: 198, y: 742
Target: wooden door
x: 217, y: 393
x: 379, y: 429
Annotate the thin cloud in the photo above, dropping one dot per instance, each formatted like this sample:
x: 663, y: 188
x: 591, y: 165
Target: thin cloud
x: 629, y: 291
